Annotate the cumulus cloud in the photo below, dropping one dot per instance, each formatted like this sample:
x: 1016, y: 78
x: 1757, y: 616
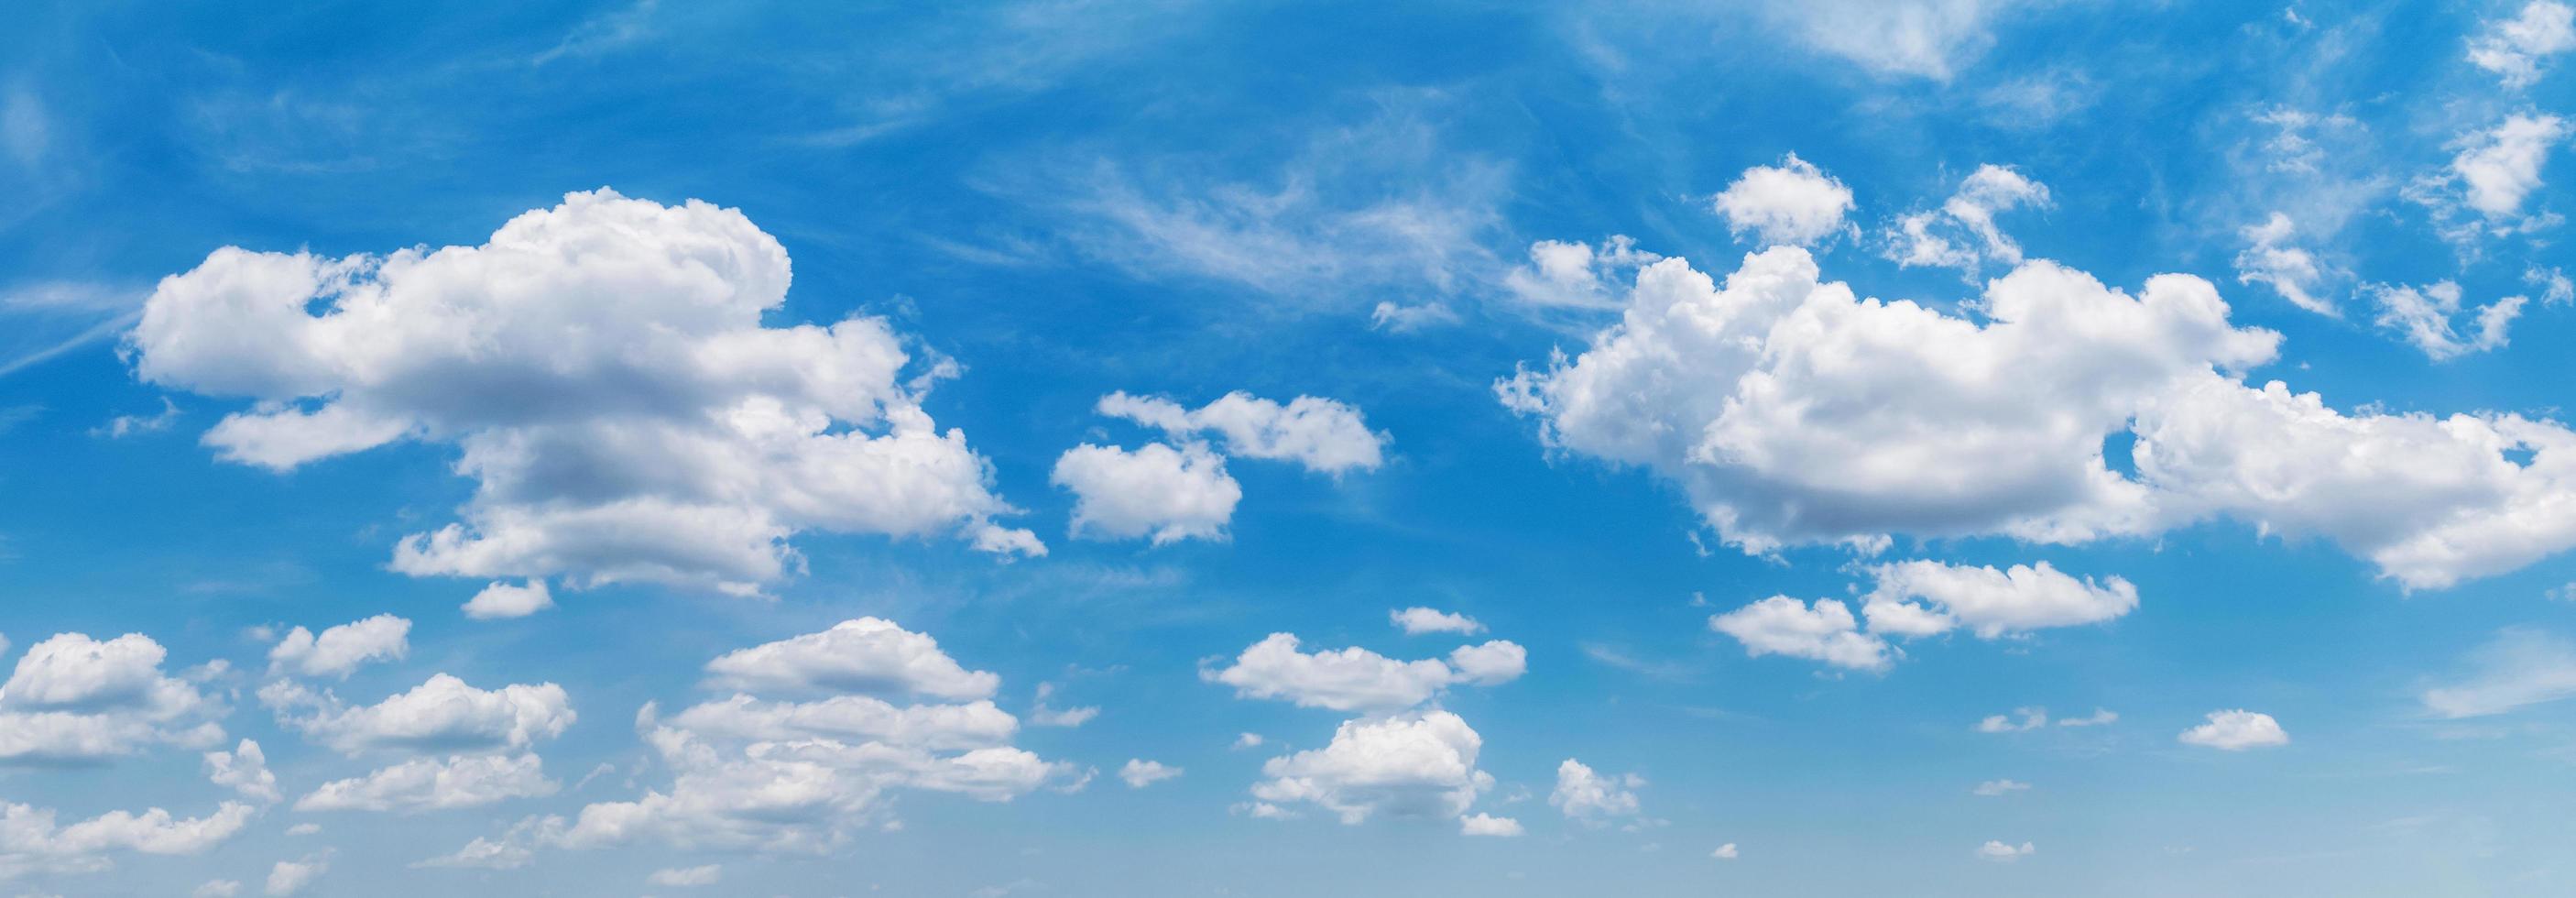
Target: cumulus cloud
x: 2519, y: 667
x: 2271, y: 257
x: 1989, y: 602
x: 442, y: 714
x: 866, y: 655
x: 1356, y: 679
x: 291, y: 877
x: 603, y: 368
x: 340, y: 650
x: 2496, y: 170
x: 426, y: 784
x: 1825, y: 631
x: 1591, y: 798
x: 2424, y: 316
x: 1962, y: 234
x: 1174, y: 492
x: 1418, y: 620
x: 72, y: 698
x: 755, y: 771
x: 1724, y: 852
x: 1575, y: 275
x: 2004, y: 853
x: 500, y: 600
x: 243, y: 770
x: 1791, y: 412
x: 31, y: 841
x: 1140, y: 773
x: 2236, y: 730
x: 2516, y: 49
x: 2020, y: 720
x: 1488, y: 825
x: 1323, y: 435
x: 1792, y: 203
x: 1409, y: 765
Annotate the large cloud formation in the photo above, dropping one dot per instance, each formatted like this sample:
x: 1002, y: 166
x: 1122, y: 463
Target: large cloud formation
x: 1792, y: 412
x: 603, y: 369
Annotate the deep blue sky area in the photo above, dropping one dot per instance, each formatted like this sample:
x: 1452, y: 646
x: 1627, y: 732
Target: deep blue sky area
x: 1065, y: 448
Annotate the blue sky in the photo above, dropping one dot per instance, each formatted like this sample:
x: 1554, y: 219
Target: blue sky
x: 993, y: 450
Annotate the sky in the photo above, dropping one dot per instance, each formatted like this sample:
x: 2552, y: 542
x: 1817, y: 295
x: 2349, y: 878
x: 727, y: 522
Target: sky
x: 1928, y: 447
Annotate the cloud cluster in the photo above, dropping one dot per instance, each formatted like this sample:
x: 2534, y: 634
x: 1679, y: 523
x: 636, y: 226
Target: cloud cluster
x: 74, y: 699
x: 1915, y: 599
x: 1962, y: 234
x: 1408, y: 765
x: 2515, y: 49
x: 1356, y: 679
x: 603, y: 370
x: 1792, y: 412
x: 1590, y: 798
x: 340, y: 650
x: 1180, y: 490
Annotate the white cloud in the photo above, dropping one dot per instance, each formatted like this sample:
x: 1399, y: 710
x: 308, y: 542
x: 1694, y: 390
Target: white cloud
x: 975, y: 724
x: 1418, y: 620
x: 868, y: 655
x: 1397, y: 318
x: 1488, y: 825
x: 2497, y: 169
x: 2520, y: 667
x: 1994, y: 788
x: 1962, y: 234
x: 217, y: 888
x: 2292, y: 271
x: 2423, y: 315
x: 1356, y: 679
x: 686, y: 876
x: 1921, y: 38
x: 2099, y: 717
x: 1826, y: 632
x: 1575, y: 275
x: 442, y: 714
x: 1158, y: 491
x: 1140, y: 773
x: 1724, y: 852
x: 1413, y: 765
x: 603, y: 368
x: 340, y: 650
x: 1790, y: 412
x: 1326, y: 436
x: 72, y: 698
x: 500, y: 600
x: 123, y: 426
x: 1792, y: 203
x: 243, y: 770
x: 31, y: 841
x: 1990, y: 602
x: 426, y: 784
x: 2004, y: 853
x: 508, y: 853
x: 290, y: 877
x: 2236, y: 730
x: 1041, y: 714
x: 2516, y: 48
x: 1590, y: 798
x: 2030, y: 719
x: 1247, y: 740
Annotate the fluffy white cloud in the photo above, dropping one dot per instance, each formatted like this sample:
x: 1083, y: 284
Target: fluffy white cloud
x: 1574, y: 275
x: 500, y: 600
x: 2236, y: 730
x: 442, y: 714
x: 244, y: 770
x: 1791, y: 203
x: 2004, y: 853
x: 2520, y: 667
x: 681, y: 877
x: 1962, y: 233
x: 425, y: 784
x: 868, y: 656
x: 1356, y: 679
x: 1826, y: 632
x: 1724, y: 852
x: 1413, y: 765
x: 1994, y: 788
x: 603, y: 367
x: 2423, y: 315
x: 1790, y: 412
x: 1157, y: 491
x: 1418, y: 620
x: 2516, y: 48
x: 291, y: 877
x: 1140, y: 773
x: 1590, y: 798
x: 1990, y: 602
x: 1326, y: 436
x: 72, y: 698
x: 2271, y: 258
x: 2500, y: 167
x: 755, y: 772
x: 341, y: 650
x: 32, y: 842
x: 2029, y: 719
x: 1488, y: 825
